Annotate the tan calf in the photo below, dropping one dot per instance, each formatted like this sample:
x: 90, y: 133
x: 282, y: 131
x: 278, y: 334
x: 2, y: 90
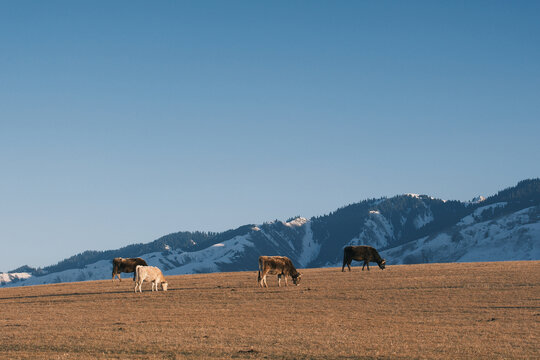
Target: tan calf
x: 280, y: 265
x: 152, y: 274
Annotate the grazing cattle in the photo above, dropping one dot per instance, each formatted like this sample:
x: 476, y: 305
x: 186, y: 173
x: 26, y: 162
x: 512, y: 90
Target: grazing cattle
x: 280, y: 265
x: 152, y: 274
x: 362, y: 253
x: 121, y: 265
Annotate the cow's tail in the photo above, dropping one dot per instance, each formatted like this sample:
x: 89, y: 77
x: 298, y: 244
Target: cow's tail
x: 137, y: 274
x: 259, y: 274
x: 114, y: 268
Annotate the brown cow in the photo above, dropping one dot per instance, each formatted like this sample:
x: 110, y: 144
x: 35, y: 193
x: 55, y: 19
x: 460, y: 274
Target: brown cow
x: 121, y: 265
x: 280, y: 265
x: 362, y: 253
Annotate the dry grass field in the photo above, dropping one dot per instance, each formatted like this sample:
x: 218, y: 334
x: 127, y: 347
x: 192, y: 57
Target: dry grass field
x: 449, y: 311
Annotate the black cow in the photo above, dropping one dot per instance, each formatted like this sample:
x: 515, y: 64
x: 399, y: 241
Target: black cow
x: 363, y: 253
x: 121, y: 265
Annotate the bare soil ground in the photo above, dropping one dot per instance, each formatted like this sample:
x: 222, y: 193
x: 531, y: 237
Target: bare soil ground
x: 448, y: 311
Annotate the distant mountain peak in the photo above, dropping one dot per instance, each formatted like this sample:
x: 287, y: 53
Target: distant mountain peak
x: 299, y: 221
x: 477, y: 199
x: 419, y: 196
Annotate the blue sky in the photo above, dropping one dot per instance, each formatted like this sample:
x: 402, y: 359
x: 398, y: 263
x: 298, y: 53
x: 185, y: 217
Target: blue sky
x: 124, y: 121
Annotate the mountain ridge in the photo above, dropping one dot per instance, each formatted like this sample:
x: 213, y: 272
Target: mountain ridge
x: 407, y: 228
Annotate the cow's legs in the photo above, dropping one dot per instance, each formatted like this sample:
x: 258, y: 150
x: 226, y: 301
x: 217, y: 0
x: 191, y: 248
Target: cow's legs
x: 264, y: 279
x: 139, y: 283
x: 285, y: 276
x: 279, y: 280
x: 345, y: 263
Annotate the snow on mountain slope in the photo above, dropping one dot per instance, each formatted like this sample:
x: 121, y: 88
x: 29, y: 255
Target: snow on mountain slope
x: 477, y: 214
x: 13, y: 277
x: 299, y: 221
x: 377, y: 231
x: 97, y: 271
x: 476, y: 200
x: 202, y: 261
x: 171, y: 262
x: 423, y: 219
x: 512, y: 237
x: 310, y: 248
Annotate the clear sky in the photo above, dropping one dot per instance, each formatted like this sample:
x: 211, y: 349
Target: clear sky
x: 124, y: 121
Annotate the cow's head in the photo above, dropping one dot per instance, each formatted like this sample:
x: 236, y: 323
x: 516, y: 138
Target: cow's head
x: 296, y: 279
x: 382, y: 264
x: 164, y: 285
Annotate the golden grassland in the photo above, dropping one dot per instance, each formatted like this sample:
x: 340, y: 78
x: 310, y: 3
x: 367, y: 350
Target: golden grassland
x: 448, y: 311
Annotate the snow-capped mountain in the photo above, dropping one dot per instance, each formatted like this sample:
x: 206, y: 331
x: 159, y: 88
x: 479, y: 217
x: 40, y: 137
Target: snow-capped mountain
x: 515, y: 236
x: 405, y: 229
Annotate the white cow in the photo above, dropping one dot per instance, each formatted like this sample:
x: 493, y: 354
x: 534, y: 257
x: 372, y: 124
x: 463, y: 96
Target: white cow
x: 149, y: 273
